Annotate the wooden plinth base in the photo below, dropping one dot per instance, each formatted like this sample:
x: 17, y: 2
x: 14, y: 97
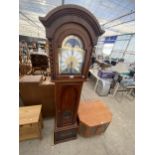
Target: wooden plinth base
x: 66, y: 133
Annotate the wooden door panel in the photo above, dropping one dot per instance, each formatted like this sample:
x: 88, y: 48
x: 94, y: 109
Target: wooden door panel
x: 67, y: 101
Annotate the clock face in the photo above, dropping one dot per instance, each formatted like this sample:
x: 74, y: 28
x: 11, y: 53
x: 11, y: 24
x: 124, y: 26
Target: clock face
x: 71, y: 56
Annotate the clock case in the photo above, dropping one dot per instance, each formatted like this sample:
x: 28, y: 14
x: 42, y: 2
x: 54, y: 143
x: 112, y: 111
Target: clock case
x: 59, y: 23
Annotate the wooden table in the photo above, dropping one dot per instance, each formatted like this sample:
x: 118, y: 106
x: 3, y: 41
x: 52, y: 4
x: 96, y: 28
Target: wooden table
x: 129, y: 89
x: 120, y: 67
x: 94, y: 117
x: 34, y: 90
x: 95, y: 74
x: 120, y: 87
x: 30, y: 122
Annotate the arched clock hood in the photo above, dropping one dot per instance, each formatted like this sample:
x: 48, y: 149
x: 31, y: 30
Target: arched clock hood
x: 71, y: 14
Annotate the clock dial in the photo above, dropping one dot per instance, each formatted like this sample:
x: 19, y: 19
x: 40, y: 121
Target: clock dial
x: 71, y: 56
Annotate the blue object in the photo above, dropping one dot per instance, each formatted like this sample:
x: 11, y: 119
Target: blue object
x: 111, y: 39
x: 105, y: 75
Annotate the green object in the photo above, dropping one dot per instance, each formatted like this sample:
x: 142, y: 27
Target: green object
x: 125, y: 73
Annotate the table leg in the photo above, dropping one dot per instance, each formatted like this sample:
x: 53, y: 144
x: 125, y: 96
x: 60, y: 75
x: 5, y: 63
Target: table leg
x: 115, y: 89
x: 131, y: 89
x: 96, y: 85
x: 39, y: 130
x: 41, y: 121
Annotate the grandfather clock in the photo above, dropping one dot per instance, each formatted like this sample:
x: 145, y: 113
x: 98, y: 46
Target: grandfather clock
x: 72, y: 31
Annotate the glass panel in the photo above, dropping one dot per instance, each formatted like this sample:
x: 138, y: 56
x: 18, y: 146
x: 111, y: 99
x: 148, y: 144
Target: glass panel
x: 107, y: 48
x: 124, y: 37
x: 71, y: 56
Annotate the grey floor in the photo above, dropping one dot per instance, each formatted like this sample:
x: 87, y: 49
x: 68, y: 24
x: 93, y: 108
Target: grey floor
x: 117, y: 140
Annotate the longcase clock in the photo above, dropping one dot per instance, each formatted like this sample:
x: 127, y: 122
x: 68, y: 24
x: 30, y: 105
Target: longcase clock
x: 72, y: 32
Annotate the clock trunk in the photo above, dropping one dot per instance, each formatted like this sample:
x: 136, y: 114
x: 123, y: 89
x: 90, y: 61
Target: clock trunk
x: 67, y: 100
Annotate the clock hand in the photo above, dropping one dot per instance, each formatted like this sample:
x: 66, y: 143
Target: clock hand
x: 71, y: 66
x: 72, y: 51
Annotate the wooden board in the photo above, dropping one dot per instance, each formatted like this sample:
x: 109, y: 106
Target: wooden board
x: 65, y: 133
x: 29, y: 114
x: 31, y: 78
x: 30, y: 131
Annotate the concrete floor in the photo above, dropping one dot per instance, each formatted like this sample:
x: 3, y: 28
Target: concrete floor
x: 117, y: 140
